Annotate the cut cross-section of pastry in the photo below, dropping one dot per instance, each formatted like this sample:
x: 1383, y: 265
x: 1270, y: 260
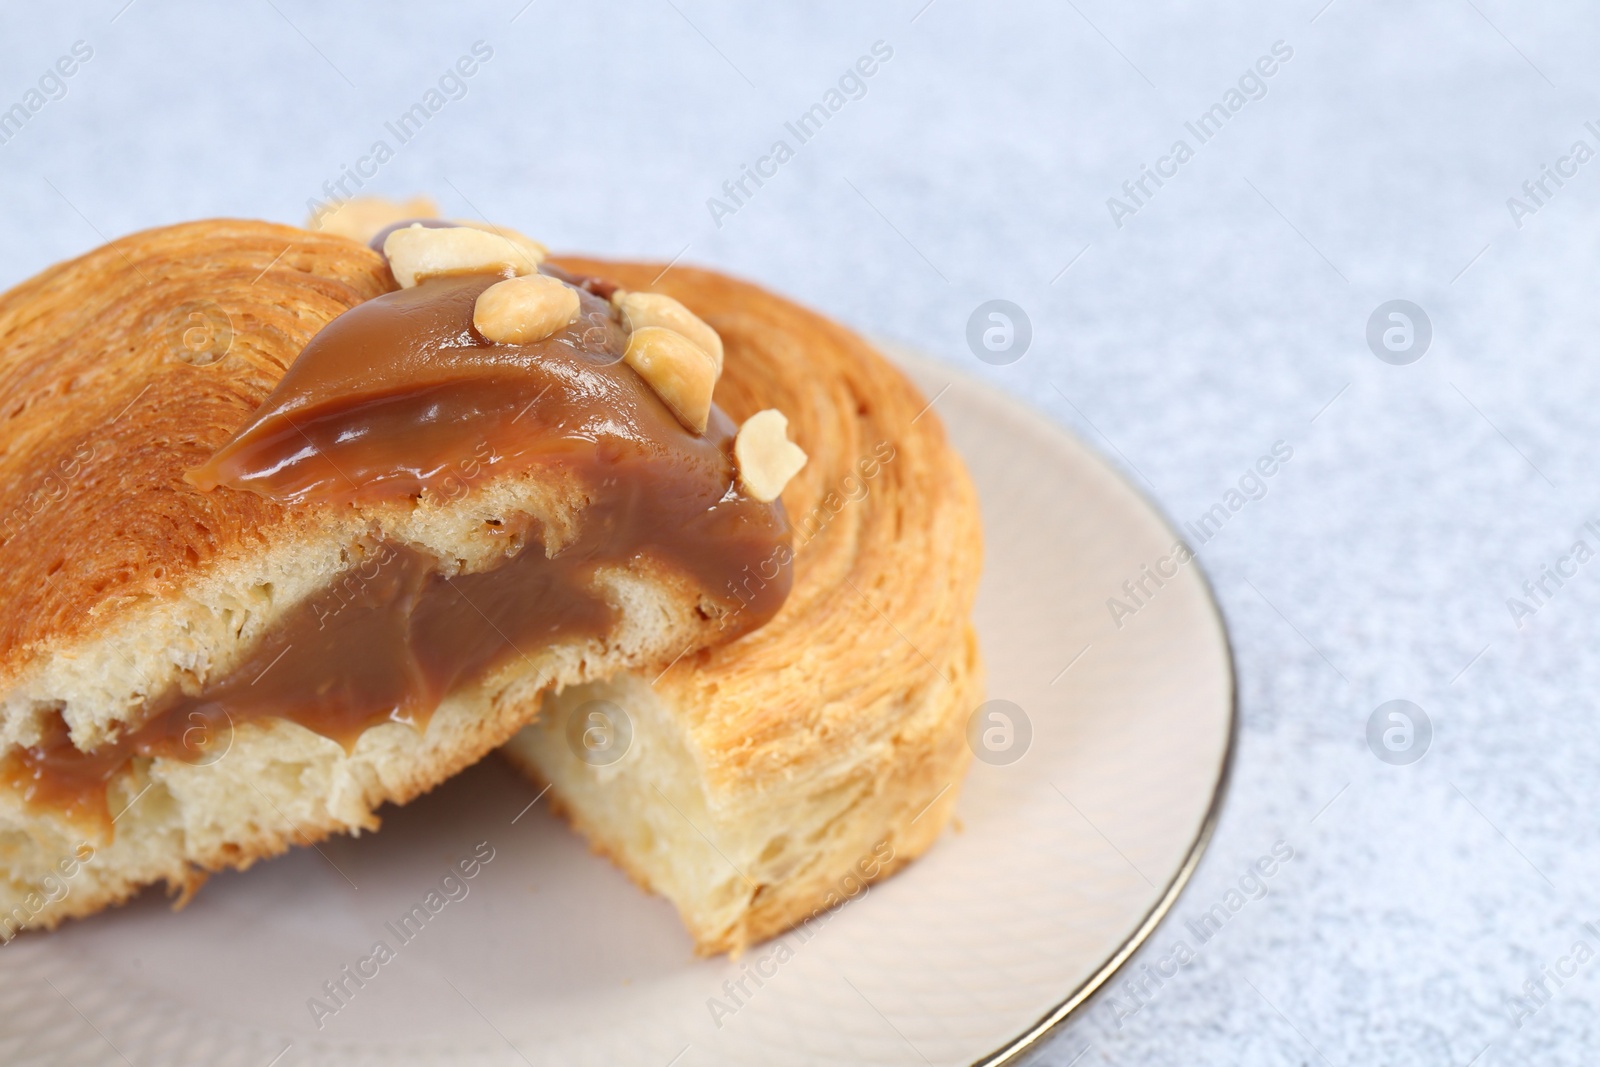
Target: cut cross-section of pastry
x: 280, y: 543
x: 758, y: 784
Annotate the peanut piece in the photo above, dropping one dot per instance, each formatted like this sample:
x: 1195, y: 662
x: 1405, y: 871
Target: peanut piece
x: 419, y: 252
x: 656, y: 309
x: 520, y: 311
x: 535, y: 252
x: 681, y: 372
x: 360, y: 218
x: 767, y: 458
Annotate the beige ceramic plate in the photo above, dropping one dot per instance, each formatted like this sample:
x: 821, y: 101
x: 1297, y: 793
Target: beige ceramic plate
x: 1098, y: 792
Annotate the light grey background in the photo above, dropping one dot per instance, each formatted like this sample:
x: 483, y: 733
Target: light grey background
x: 1227, y: 314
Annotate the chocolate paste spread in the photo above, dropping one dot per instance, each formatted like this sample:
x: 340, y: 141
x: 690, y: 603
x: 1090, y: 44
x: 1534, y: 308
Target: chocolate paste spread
x: 400, y: 397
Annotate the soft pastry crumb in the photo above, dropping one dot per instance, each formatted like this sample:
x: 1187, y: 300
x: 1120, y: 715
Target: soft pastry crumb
x: 746, y: 863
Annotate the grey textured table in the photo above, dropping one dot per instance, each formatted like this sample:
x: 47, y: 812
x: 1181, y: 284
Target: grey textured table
x: 1186, y: 326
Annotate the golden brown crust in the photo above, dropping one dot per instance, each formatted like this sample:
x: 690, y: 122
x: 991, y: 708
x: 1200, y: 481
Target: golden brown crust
x: 105, y: 406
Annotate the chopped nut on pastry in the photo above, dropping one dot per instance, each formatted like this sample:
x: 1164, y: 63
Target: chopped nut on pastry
x: 419, y: 252
x: 767, y: 458
x: 657, y: 309
x: 681, y: 372
x: 535, y: 252
x: 360, y: 218
x: 519, y: 311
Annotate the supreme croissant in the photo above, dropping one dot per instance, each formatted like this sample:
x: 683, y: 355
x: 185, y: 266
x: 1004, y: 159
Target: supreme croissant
x: 293, y: 527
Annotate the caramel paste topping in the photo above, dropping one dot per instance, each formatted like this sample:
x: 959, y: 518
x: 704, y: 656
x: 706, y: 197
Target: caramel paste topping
x: 397, y: 397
